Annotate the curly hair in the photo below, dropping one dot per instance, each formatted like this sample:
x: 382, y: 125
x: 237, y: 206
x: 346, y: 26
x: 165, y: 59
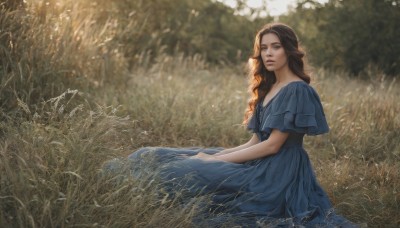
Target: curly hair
x: 260, y: 79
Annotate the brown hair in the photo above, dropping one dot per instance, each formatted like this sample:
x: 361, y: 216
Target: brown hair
x: 260, y: 79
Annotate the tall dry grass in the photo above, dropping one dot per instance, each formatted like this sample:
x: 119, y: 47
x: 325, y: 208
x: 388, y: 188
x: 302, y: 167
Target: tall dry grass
x: 64, y: 113
x: 361, y: 154
x: 49, y: 47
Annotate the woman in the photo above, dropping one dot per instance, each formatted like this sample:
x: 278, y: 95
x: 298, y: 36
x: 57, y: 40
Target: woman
x: 269, y: 179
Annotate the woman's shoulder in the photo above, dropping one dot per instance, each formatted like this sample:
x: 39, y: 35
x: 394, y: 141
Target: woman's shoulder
x: 298, y: 86
x: 299, y: 109
x: 296, y: 92
x: 297, y: 83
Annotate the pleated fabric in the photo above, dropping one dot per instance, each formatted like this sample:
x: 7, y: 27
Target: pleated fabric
x: 280, y: 190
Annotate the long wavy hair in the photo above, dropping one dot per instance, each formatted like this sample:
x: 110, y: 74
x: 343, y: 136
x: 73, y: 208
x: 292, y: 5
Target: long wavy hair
x: 260, y: 79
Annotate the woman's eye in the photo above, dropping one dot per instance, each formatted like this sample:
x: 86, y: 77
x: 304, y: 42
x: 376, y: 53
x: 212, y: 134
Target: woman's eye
x: 277, y: 47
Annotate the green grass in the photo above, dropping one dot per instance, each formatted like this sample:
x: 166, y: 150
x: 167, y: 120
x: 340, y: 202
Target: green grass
x: 64, y: 113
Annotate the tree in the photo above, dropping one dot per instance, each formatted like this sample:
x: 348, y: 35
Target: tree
x: 350, y: 34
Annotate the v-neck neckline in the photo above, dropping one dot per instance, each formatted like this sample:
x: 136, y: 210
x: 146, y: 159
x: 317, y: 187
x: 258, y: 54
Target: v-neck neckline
x: 283, y: 87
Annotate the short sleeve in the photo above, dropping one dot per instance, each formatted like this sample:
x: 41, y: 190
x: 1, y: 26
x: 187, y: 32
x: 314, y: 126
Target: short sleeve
x: 297, y: 108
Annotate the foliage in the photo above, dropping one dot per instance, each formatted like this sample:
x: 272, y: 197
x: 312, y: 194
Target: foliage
x: 45, y: 50
x: 109, y: 38
x: 208, y: 28
x: 350, y: 35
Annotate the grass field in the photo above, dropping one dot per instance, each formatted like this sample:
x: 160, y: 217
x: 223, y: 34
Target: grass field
x: 69, y: 104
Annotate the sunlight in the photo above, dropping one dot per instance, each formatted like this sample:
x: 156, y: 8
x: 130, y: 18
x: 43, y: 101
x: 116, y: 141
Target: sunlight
x: 274, y: 7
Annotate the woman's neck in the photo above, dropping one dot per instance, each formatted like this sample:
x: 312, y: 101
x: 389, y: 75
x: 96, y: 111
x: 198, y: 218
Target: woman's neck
x: 285, y: 75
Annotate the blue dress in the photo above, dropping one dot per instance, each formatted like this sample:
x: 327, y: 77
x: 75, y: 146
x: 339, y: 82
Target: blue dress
x: 279, y: 189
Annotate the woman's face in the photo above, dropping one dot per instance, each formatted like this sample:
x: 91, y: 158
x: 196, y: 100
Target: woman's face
x: 272, y: 52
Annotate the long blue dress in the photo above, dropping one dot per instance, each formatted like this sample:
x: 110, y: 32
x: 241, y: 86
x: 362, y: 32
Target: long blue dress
x: 279, y: 189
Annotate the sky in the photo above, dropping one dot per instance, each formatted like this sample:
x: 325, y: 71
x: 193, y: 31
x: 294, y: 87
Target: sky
x: 275, y: 7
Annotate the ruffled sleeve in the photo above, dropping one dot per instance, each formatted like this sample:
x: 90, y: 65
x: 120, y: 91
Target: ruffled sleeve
x: 296, y: 108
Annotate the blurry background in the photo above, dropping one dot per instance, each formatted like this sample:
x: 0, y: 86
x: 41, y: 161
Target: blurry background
x: 82, y: 82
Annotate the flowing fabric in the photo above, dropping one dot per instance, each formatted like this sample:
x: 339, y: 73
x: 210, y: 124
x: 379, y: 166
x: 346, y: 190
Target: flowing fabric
x: 279, y: 189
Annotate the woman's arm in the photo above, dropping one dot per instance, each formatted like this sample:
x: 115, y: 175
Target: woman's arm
x: 253, y: 140
x: 262, y: 149
x: 259, y: 150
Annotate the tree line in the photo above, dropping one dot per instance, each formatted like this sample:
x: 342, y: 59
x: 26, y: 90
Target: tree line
x: 349, y: 35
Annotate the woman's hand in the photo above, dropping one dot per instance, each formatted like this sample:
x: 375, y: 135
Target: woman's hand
x: 204, y: 156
